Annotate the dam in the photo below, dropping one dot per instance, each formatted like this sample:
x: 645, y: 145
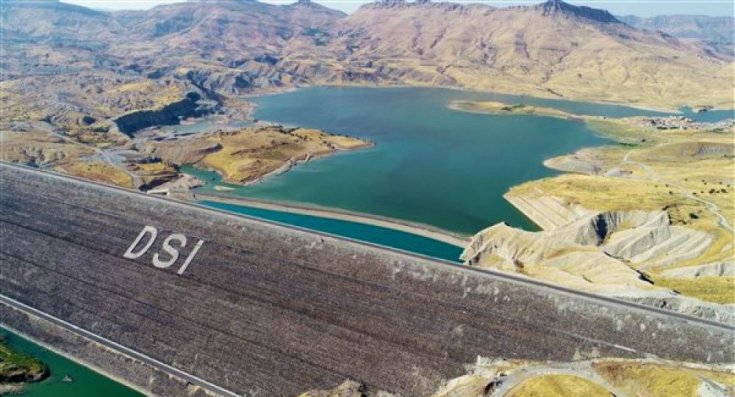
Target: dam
x: 176, y: 299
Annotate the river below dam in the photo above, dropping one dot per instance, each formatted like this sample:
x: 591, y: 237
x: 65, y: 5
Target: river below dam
x: 430, y: 164
x: 68, y: 378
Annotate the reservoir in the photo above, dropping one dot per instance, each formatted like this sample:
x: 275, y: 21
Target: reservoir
x: 430, y: 164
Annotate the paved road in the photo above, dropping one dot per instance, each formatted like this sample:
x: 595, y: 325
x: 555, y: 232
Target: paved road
x: 104, y: 155
x: 118, y: 347
x: 267, y: 310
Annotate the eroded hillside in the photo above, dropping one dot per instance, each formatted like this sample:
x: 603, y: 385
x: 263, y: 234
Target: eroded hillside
x: 585, y: 377
x: 649, y: 218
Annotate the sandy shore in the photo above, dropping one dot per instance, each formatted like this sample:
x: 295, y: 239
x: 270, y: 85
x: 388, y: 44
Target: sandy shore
x: 388, y: 223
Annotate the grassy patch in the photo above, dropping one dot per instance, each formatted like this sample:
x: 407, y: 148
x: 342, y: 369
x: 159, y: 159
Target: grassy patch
x: 558, y: 386
x: 145, y: 94
x: 651, y: 380
x: 253, y: 152
x: 712, y: 289
x: 155, y: 168
x: 621, y: 131
x: 39, y: 148
x: 96, y: 171
x: 605, y: 193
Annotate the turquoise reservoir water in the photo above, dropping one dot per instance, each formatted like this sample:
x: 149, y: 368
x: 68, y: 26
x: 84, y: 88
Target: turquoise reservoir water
x: 358, y: 231
x: 711, y: 115
x: 85, y: 382
x: 431, y: 164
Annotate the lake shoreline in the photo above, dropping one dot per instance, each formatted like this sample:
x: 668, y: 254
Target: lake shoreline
x: 409, y: 151
x: 541, y: 95
x: 427, y: 231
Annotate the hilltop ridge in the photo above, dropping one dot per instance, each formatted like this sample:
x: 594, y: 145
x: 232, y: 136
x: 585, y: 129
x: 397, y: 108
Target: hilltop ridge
x: 226, y: 49
x: 717, y: 34
x: 551, y: 7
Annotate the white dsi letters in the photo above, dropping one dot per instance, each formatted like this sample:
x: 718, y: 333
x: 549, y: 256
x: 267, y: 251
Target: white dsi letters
x: 171, y: 246
x: 153, y: 232
x: 170, y: 250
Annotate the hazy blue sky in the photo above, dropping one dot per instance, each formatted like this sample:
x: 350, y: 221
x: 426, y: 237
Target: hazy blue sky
x: 619, y: 7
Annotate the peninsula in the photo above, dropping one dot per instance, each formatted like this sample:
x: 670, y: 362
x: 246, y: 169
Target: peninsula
x: 153, y: 158
x: 247, y: 155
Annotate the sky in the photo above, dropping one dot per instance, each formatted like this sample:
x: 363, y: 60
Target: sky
x: 644, y: 8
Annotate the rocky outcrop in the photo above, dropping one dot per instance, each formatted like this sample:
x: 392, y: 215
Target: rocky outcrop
x: 18, y: 368
x: 574, y: 163
x: 646, y: 238
x: 558, y: 7
x: 182, y: 151
x: 348, y: 388
x: 172, y: 114
x: 720, y: 269
x: 179, y: 188
x: 601, y: 252
x: 255, y: 75
x: 686, y: 305
x: 657, y: 246
x: 548, y: 212
x: 553, y: 257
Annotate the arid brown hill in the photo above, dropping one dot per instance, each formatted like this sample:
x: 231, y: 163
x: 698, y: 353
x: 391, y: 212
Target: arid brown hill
x: 549, y: 49
x: 63, y: 60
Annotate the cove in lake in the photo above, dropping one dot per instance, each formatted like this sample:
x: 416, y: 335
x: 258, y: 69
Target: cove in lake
x: 430, y: 164
x: 85, y: 382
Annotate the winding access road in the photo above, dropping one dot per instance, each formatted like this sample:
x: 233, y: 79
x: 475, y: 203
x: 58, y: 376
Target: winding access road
x: 239, y: 306
x: 653, y: 176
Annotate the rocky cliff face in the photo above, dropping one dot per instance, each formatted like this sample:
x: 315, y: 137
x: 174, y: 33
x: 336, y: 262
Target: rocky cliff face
x: 558, y: 7
x: 171, y: 114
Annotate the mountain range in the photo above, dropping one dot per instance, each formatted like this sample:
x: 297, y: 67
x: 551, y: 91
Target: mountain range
x: 717, y: 32
x: 68, y: 63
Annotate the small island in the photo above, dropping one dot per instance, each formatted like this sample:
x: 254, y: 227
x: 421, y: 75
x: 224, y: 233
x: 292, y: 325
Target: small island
x: 17, y: 369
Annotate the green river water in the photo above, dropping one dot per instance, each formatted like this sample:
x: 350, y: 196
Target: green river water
x: 353, y: 230
x: 84, y: 381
